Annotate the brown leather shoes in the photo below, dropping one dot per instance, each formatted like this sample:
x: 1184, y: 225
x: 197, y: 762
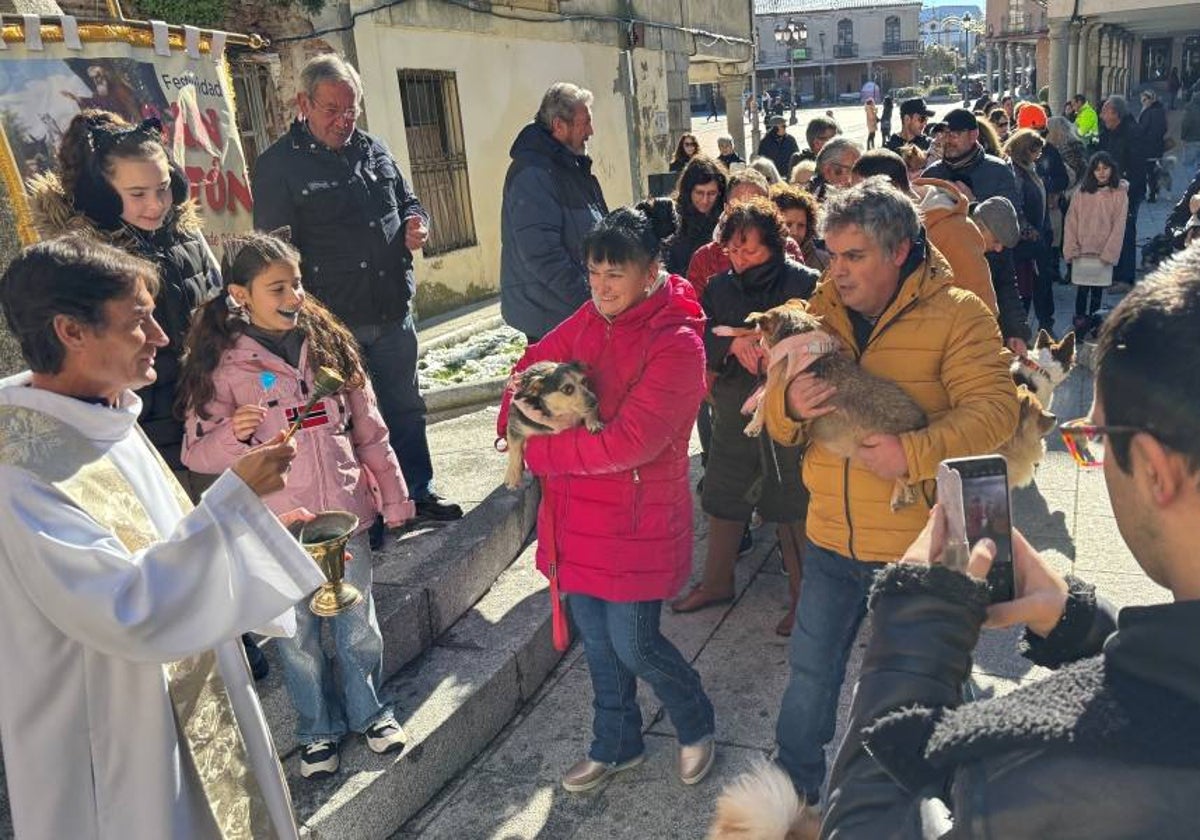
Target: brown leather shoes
x: 696, y: 760
x: 699, y: 598
x: 586, y: 774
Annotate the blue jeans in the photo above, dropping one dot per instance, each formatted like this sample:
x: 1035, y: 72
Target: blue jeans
x: 323, y: 712
x: 833, y: 602
x: 390, y: 354
x: 622, y: 642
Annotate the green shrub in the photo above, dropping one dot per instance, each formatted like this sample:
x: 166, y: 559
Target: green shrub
x: 900, y: 93
x: 943, y: 90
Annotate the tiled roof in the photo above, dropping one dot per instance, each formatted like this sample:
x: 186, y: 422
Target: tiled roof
x: 792, y: 7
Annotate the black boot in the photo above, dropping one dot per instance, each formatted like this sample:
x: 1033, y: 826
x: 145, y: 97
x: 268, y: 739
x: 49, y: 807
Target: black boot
x: 259, y: 666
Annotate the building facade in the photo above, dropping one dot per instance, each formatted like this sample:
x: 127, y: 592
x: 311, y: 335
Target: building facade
x: 849, y: 42
x: 1017, y: 47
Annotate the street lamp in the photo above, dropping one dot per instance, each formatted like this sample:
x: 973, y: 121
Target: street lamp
x: 788, y: 34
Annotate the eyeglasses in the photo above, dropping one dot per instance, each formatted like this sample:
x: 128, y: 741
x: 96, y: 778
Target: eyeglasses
x: 1085, y: 440
x: 331, y: 112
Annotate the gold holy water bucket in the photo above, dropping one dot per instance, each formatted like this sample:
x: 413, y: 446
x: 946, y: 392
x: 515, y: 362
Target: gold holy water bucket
x: 325, y: 538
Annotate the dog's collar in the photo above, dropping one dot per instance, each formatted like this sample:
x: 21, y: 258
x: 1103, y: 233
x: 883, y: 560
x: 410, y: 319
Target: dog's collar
x: 1028, y: 362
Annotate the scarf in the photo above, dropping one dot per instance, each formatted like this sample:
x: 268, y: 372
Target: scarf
x: 966, y: 161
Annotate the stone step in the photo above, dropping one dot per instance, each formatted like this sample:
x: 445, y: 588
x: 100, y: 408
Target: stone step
x: 452, y: 702
x: 423, y: 584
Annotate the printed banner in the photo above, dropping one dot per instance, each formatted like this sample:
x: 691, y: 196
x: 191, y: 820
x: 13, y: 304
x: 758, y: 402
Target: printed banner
x: 44, y: 83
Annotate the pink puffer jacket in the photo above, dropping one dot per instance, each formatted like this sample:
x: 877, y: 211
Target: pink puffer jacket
x: 1096, y: 224
x: 617, y: 506
x: 343, y: 458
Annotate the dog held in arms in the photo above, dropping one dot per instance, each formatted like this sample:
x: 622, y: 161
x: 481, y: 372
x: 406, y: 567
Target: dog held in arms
x: 556, y: 389
x: 866, y: 404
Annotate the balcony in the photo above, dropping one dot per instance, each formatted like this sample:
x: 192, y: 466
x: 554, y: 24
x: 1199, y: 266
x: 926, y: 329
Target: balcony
x: 1024, y: 24
x: 901, y: 47
x: 845, y: 50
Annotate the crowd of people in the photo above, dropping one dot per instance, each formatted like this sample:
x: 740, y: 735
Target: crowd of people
x: 162, y: 440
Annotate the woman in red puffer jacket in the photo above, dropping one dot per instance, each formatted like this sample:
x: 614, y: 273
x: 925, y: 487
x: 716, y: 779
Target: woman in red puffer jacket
x: 616, y: 513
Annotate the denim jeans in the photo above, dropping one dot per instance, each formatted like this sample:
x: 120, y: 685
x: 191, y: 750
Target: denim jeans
x: 390, y: 354
x: 1126, y: 267
x: 322, y: 711
x: 833, y: 602
x: 622, y: 642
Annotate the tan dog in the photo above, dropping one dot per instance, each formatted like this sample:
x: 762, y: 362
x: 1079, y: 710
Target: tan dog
x: 762, y: 805
x: 557, y: 390
x: 1026, y: 448
x: 866, y: 404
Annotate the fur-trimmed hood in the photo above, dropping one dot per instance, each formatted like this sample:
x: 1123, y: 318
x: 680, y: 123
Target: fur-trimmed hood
x: 54, y: 214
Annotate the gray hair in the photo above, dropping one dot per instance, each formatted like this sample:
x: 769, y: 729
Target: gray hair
x: 1060, y: 130
x: 724, y: 139
x: 766, y: 167
x: 1119, y: 105
x: 1149, y: 93
x: 835, y: 149
x: 560, y: 102
x: 884, y: 213
x: 329, y: 67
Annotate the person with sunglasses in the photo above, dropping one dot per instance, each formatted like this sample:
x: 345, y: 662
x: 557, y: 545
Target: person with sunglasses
x: 1115, y: 732
x: 914, y: 114
x: 356, y: 222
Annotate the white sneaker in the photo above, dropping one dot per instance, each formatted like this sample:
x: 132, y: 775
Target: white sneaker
x: 385, y: 736
x: 319, y: 760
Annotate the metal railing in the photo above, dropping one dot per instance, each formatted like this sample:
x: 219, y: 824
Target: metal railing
x: 433, y: 128
x: 901, y: 47
x: 845, y: 50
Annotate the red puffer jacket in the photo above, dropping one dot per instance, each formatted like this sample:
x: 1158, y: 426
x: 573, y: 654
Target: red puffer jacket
x: 616, y: 509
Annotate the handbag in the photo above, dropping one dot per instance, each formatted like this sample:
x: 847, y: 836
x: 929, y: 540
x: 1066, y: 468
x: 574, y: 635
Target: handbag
x: 1091, y: 271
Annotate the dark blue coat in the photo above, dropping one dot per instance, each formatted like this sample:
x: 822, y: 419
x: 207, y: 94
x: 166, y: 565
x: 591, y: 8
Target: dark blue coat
x: 347, y: 211
x: 551, y: 202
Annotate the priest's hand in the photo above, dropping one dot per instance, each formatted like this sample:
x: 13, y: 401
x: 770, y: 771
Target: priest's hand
x: 264, y: 468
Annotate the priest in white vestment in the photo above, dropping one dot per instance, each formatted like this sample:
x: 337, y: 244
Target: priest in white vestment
x: 93, y: 736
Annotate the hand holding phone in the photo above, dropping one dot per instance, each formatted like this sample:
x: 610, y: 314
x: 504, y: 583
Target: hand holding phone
x: 974, y: 493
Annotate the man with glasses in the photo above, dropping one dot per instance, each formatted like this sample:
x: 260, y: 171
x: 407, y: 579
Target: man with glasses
x: 1114, y: 735
x: 914, y: 114
x: 551, y: 202
x: 357, y: 223
x: 835, y: 165
x: 980, y: 176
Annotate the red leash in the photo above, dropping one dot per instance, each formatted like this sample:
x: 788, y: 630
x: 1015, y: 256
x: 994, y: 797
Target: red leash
x: 558, y: 615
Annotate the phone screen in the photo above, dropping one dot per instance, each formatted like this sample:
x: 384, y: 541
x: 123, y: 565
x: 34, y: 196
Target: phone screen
x: 986, y: 514
x: 975, y: 492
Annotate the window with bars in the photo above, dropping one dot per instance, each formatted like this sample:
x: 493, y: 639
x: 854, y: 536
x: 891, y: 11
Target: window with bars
x: 437, y: 154
x: 255, y: 111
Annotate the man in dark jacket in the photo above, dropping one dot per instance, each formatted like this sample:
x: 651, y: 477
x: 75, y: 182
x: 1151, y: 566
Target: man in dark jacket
x: 1116, y: 736
x: 1152, y: 122
x: 914, y: 115
x: 551, y: 202
x: 980, y: 176
x: 356, y: 223
x: 779, y: 146
x: 1121, y: 138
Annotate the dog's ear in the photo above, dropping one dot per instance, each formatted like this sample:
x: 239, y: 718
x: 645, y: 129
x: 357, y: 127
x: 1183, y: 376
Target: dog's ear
x: 1065, y: 351
x: 576, y: 367
x: 1046, y: 422
x: 1044, y: 339
x: 531, y: 382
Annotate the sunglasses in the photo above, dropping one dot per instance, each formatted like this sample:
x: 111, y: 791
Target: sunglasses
x: 1086, y: 441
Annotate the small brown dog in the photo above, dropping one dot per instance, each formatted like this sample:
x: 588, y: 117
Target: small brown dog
x: 866, y: 404
x: 556, y: 389
x: 1026, y: 448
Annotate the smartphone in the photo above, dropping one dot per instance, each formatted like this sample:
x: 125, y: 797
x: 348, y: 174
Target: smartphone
x: 974, y: 494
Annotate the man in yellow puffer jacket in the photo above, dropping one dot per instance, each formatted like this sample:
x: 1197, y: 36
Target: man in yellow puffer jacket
x: 890, y: 301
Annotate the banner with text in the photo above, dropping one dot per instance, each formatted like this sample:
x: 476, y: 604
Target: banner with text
x: 44, y: 83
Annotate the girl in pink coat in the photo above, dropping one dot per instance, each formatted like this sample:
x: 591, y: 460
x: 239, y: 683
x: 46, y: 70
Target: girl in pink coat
x: 615, y: 521
x: 1095, y: 228
x: 248, y: 374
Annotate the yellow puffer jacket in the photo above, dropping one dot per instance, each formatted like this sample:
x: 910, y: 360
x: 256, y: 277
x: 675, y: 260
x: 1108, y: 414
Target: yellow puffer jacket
x: 943, y: 347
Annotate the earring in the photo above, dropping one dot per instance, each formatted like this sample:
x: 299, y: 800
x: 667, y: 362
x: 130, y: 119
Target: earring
x: 237, y: 311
